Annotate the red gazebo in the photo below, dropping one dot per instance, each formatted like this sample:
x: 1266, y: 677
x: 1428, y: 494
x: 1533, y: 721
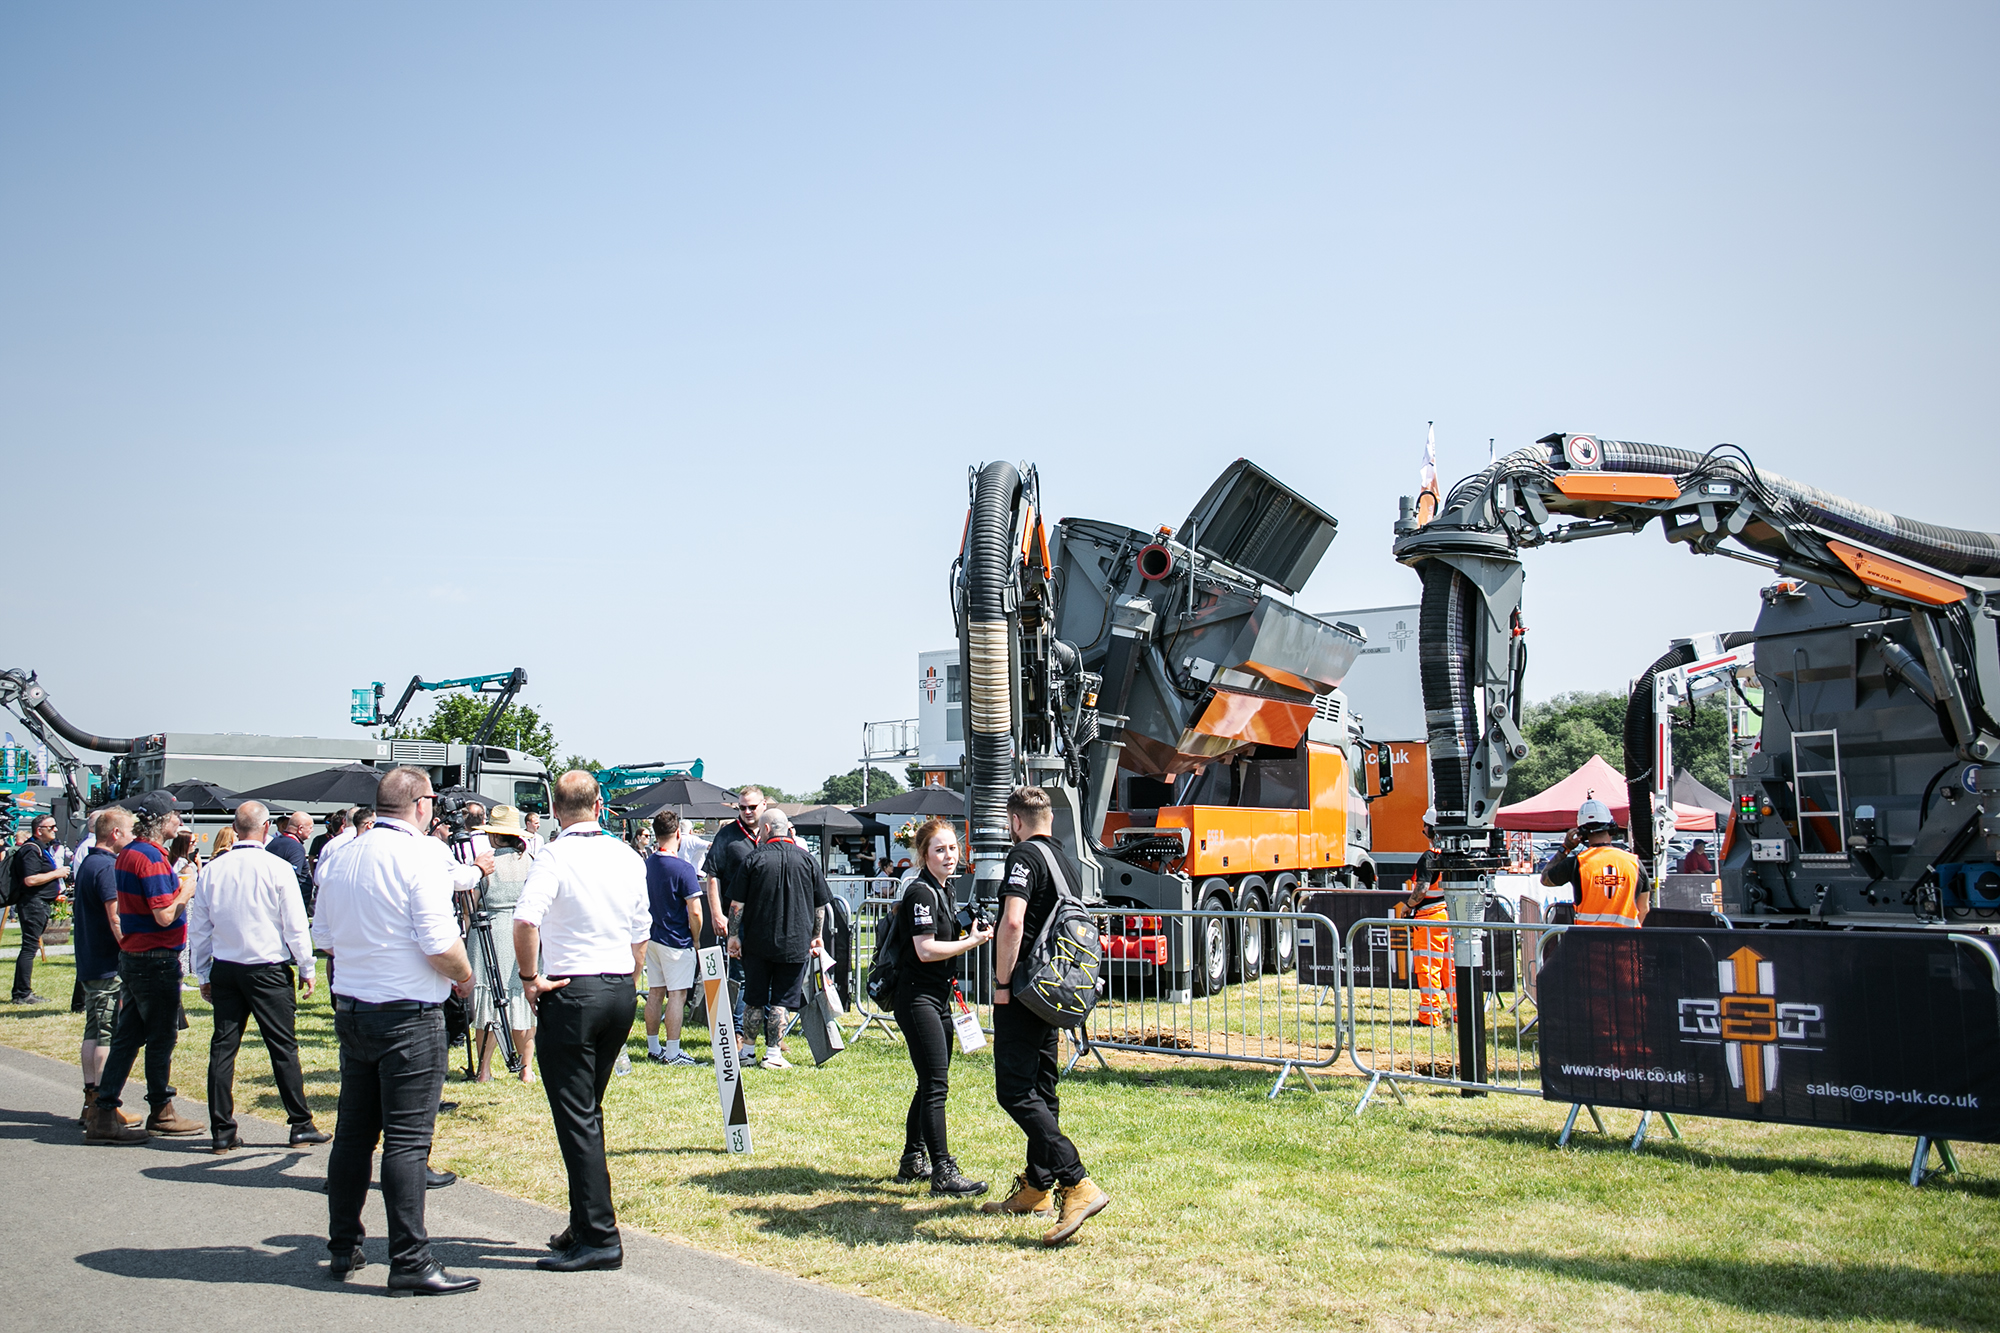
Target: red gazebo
x: 1554, y: 810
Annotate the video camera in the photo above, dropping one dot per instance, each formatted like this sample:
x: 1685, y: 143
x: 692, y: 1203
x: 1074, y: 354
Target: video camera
x: 449, y: 813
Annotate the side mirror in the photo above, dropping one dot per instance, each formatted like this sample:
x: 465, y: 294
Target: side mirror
x: 1385, y: 776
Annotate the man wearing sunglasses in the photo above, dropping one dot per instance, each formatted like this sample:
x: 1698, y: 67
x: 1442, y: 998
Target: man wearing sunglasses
x: 723, y: 869
x: 385, y: 916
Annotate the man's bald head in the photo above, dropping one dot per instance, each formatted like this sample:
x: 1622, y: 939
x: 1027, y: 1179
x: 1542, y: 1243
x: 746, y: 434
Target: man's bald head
x: 251, y: 816
x: 575, y: 797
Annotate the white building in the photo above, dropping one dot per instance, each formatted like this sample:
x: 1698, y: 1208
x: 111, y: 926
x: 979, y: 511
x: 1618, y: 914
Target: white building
x: 940, y: 718
x: 1384, y: 684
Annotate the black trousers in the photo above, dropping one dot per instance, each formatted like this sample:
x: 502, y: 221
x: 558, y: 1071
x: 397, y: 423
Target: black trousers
x: 580, y: 1031
x: 149, y: 1012
x: 925, y: 1020
x: 1024, y: 1083
x: 239, y: 992
x: 34, y: 918
x: 392, y: 1065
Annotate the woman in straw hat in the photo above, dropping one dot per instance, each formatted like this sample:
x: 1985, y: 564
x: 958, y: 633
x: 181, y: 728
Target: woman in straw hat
x: 498, y: 893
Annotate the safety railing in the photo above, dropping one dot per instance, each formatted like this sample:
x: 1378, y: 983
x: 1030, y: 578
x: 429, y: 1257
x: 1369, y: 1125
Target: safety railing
x: 1444, y: 1002
x: 1280, y: 1018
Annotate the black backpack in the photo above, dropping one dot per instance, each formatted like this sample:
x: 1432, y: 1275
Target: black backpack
x: 885, y: 968
x: 1057, y: 975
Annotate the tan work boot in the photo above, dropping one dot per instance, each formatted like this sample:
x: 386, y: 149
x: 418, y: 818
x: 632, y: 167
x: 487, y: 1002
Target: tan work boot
x: 166, y: 1120
x: 90, y: 1104
x: 106, y: 1126
x: 1080, y: 1202
x: 1025, y: 1199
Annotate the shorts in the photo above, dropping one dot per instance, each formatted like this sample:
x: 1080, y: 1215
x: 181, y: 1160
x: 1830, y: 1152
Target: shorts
x: 100, y: 1008
x: 668, y: 967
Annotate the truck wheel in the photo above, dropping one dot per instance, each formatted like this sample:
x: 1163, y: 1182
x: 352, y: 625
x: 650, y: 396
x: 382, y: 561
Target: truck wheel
x: 1282, y: 938
x: 1248, y: 960
x: 1210, y: 964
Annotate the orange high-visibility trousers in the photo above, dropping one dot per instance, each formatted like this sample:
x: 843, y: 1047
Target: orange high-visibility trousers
x: 1431, y: 966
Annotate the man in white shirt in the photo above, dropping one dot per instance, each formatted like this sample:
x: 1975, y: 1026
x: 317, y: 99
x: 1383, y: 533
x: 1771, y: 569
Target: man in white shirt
x: 580, y: 934
x: 533, y: 823
x: 246, y: 931
x: 385, y: 915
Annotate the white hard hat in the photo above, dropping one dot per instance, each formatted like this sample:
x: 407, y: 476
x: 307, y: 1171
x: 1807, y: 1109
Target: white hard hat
x: 1593, y: 813
x: 1431, y: 817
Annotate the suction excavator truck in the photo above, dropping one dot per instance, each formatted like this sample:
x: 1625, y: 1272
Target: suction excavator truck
x: 1866, y: 801
x: 1185, y: 719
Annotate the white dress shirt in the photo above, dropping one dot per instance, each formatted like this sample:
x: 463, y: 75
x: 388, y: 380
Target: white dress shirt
x: 338, y: 840
x: 246, y: 909
x: 384, y: 911
x: 587, y: 893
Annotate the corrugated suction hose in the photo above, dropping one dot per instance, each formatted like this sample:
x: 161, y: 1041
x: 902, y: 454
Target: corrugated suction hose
x: 989, y: 567
x: 1446, y: 630
x: 1642, y: 752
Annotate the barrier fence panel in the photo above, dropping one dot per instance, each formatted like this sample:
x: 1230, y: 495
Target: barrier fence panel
x: 1444, y: 1002
x: 1287, y: 1020
x: 1284, y: 1018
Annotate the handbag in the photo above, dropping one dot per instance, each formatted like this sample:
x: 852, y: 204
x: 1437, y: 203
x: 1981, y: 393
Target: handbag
x: 822, y: 1033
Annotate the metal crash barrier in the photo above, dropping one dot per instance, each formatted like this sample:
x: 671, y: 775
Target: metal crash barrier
x: 1444, y: 1002
x: 1286, y: 1019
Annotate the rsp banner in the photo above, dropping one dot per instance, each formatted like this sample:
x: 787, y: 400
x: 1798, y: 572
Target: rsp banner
x: 1895, y: 1034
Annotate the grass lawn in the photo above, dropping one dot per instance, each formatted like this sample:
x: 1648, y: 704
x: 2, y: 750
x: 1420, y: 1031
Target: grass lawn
x: 1231, y: 1212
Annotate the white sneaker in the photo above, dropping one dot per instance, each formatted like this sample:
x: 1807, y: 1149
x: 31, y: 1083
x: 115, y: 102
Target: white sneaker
x: 776, y: 1060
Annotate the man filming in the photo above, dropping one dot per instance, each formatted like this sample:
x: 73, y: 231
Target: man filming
x: 1611, y: 886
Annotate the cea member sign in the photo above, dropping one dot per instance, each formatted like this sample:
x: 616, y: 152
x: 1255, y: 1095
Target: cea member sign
x: 1890, y: 1033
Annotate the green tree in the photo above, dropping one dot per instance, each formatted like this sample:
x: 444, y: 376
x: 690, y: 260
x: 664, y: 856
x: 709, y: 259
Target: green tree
x: 457, y: 718
x: 845, y: 788
x: 1565, y: 731
x: 1562, y: 734
x: 576, y: 761
x: 775, y: 794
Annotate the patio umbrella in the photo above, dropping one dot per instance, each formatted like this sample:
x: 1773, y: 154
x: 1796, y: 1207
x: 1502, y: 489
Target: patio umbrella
x: 206, y: 798
x: 827, y: 821
x: 690, y: 798
x: 349, y: 784
x: 919, y: 801
x: 132, y: 802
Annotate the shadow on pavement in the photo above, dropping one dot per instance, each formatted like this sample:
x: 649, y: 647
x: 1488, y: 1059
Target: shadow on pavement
x: 42, y: 1127
x: 297, y: 1261
x: 246, y: 1168
x: 1792, y: 1291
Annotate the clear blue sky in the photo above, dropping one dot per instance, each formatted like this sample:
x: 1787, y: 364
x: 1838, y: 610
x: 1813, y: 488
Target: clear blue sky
x: 335, y: 340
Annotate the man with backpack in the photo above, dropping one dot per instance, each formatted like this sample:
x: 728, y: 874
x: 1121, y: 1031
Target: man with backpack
x: 1024, y: 1047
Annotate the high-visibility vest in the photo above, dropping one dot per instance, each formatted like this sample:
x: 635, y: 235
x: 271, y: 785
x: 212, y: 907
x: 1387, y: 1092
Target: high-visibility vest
x: 1607, y: 887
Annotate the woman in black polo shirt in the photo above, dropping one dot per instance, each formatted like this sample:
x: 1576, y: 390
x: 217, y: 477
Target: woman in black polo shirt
x: 923, y: 1008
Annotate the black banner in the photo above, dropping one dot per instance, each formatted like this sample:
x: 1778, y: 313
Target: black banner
x: 1895, y: 1034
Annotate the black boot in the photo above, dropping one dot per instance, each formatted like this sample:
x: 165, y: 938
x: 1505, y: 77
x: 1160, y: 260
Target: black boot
x: 915, y: 1166
x: 947, y: 1183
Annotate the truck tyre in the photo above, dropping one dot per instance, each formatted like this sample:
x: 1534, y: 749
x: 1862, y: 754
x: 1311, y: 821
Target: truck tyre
x: 1247, y: 960
x: 1281, y: 940
x: 1210, y: 965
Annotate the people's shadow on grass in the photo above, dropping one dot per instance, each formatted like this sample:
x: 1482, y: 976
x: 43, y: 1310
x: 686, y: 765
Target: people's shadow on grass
x: 298, y: 1261
x: 871, y: 1211
x: 1789, y: 1291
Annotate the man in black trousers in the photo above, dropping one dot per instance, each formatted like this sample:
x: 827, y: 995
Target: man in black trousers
x: 580, y: 932
x: 246, y: 934
x: 1024, y: 1047
x: 385, y: 915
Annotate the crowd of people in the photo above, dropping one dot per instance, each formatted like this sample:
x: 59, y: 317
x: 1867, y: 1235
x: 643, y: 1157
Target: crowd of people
x: 544, y: 938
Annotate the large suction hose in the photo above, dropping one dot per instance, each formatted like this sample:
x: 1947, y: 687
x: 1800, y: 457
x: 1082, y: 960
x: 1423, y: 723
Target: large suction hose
x: 1445, y: 640
x: 25, y: 688
x: 1953, y: 550
x: 989, y: 568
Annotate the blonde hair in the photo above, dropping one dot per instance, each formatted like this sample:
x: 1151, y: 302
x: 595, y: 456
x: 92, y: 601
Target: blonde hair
x: 224, y: 840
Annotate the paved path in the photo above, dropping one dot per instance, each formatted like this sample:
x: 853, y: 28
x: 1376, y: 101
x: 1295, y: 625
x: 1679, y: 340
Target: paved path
x: 169, y: 1236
